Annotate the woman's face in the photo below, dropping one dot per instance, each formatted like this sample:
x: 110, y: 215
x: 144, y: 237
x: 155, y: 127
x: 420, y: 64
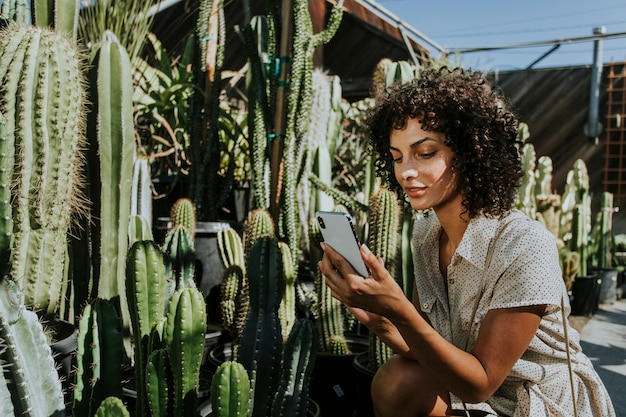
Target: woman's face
x: 423, y: 167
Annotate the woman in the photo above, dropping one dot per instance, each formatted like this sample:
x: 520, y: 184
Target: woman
x: 484, y: 333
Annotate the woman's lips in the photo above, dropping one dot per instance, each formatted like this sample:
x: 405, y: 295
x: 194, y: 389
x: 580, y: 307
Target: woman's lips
x: 415, y: 192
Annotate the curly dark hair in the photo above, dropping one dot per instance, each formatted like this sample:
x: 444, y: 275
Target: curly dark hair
x: 478, y: 127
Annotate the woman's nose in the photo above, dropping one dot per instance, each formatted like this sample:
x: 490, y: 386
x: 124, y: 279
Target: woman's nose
x: 408, y: 172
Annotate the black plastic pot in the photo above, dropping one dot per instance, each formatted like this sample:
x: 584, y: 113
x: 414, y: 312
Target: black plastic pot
x: 585, y: 295
x: 363, y: 381
x: 332, y: 383
x: 608, y: 285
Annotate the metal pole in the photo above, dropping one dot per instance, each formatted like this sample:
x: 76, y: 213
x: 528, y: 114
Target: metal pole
x: 593, y: 128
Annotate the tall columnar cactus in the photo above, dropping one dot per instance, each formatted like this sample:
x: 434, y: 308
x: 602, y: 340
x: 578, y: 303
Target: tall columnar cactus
x: 292, y: 395
x: 110, y: 133
x: 526, y: 193
x: 184, y: 335
x: 6, y: 219
x: 575, y: 222
x: 99, y: 358
x: 230, y: 391
x: 43, y: 106
x: 181, y: 256
x: 384, y: 236
x: 602, y: 238
x: 183, y: 213
x: 147, y: 295
x: 29, y: 382
x: 261, y: 342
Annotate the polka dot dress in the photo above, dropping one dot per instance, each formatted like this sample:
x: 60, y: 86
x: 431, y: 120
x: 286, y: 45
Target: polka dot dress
x: 523, y: 270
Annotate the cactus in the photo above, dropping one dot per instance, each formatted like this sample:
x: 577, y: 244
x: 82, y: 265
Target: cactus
x: 234, y: 286
x: 602, y: 242
x: 548, y: 204
x: 292, y: 395
x: 384, y: 225
x: 258, y: 224
x: 181, y: 256
x: 111, y: 150
x: 29, y: 382
x: 43, y: 106
x: 184, y: 334
x: 138, y: 229
x: 575, y: 222
x: 6, y: 219
x: 141, y: 190
x: 526, y: 192
x: 16, y: 10
x: 569, y: 265
x: 230, y: 391
x: 287, y: 309
x: 159, y: 383
x: 99, y: 358
x: 261, y: 341
x: 146, y: 294
x: 183, y: 213
x: 112, y: 407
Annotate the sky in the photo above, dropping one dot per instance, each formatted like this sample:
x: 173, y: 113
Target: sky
x: 465, y: 24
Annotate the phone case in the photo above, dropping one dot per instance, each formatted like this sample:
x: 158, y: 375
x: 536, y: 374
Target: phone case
x: 338, y: 231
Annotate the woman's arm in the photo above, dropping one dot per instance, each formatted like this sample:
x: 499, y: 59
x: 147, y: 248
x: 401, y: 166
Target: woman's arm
x: 473, y: 376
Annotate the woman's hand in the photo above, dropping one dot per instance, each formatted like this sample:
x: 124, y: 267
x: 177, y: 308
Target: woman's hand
x: 371, y: 298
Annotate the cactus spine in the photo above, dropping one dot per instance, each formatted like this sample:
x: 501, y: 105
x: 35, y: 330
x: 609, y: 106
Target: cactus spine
x: 6, y: 219
x: 43, y: 104
x: 146, y: 294
x: 230, y: 391
x: 99, y: 357
x: 184, y: 335
x: 29, y: 383
x: 261, y: 342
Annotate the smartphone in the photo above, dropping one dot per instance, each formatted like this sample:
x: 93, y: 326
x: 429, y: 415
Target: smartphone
x: 338, y: 231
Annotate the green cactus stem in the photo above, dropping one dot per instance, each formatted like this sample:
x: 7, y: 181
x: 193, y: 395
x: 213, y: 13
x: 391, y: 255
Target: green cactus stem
x: 139, y: 229
x: 230, y: 391
x: 181, y: 256
x: 6, y: 213
x: 287, y: 309
x: 29, y: 382
x: 159, y: 383
x: 292, y: 396
x: 141, y: 190
x: 184, y: 334
x: 261, y: 342
x: 16, y: 10
x: 43, y: 106
x: 99, y: 358
x: 112, y: 407
x: 110, y: 131
x: 147, y: 296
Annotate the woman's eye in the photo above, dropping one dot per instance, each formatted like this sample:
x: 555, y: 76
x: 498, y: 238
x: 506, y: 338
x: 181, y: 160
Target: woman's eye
x: 426, y: 155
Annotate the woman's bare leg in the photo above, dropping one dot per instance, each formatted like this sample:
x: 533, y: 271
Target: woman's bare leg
x: 401, y: 388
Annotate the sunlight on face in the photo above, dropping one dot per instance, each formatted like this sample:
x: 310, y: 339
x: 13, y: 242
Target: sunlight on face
x: 423, y: 167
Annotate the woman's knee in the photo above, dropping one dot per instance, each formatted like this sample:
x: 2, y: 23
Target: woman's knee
x: 402, y: 384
